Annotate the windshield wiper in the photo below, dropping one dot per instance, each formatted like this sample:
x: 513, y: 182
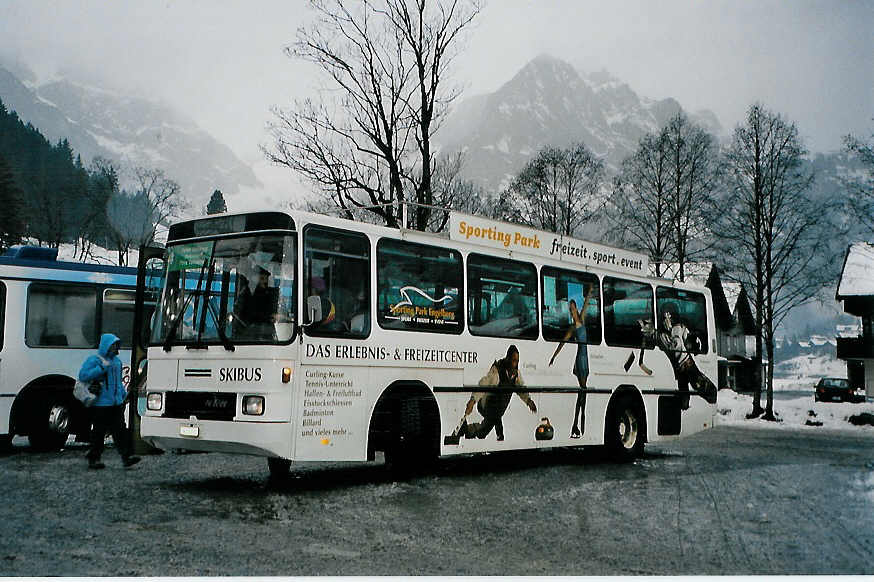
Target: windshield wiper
x: 218, y: 327
x: 209, y: 307
x: 201, y: 323
x: 171, y: 333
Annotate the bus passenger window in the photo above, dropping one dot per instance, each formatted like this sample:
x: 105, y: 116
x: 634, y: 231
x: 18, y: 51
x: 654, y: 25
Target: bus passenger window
x: 419, y: 287
x: 502, y: 297
x: 560, y: 288
x: 118, y: 314
x: 336, y: 283
x: 627, y: 310
x: 61, y: 315
x: 683, y: 315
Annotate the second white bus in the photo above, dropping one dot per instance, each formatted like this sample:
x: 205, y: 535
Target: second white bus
x: 52, y: 314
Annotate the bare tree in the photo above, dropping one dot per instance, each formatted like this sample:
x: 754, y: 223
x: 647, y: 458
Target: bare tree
x: 452, y: 192
x: 771, y: 229
x: 662, y: 198
x: 860, y: 185
x: 367, y: 144
x: 640, y: 206
x: 92, y: 222
x: 693, y: 168
x: 560, y: 190
x: 131, y: 218
x: 135, y: 218
x: 162, y: 198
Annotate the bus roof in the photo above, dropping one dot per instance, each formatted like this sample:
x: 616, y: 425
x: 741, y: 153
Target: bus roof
x: 461, y: 228
x: 32, y: 257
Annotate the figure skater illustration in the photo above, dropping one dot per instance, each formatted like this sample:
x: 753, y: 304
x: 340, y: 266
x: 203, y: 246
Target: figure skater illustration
x: 577, y: 329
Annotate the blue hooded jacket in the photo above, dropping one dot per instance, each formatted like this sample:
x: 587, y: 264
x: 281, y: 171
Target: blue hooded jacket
x: 113, y: 391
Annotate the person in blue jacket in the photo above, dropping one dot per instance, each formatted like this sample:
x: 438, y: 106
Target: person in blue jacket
x: 108, y: 409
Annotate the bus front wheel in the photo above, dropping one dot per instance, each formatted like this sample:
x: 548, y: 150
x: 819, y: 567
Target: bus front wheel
x: 51, y: 424
x: 625, y: 429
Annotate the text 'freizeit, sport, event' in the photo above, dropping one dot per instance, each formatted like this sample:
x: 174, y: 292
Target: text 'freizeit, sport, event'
x: 495, y: 234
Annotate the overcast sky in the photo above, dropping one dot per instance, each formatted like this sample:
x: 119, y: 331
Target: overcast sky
x: 221, y: 62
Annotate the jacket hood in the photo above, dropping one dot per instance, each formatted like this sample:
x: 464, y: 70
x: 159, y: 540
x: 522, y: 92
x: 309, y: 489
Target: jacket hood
x: 106, y: 341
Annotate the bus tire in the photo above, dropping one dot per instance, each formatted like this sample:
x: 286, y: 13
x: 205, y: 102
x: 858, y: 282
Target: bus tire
x: 414, y: 443
x: 278, y: 467
x: 51, y: 423
x: 625, y: 428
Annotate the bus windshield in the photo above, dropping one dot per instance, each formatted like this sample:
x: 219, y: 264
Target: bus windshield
x: 227, y: 292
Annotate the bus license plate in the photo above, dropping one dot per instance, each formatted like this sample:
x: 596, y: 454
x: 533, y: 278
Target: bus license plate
x: 189, y: 431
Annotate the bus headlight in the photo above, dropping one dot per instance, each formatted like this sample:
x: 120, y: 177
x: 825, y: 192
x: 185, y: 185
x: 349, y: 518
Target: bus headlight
x: 253, y: 405
x: 155, y: 400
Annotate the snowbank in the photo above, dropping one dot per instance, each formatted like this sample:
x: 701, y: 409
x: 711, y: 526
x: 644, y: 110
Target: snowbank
x: 795, y: 413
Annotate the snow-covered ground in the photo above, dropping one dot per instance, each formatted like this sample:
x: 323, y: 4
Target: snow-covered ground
x: 803, y: 372
x: 794, y: 413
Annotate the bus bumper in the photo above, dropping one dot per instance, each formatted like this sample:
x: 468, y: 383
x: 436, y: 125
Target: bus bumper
x: 267, y: 439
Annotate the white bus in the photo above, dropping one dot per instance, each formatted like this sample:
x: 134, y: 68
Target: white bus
x: 52, y: 314
x: 373, y: 339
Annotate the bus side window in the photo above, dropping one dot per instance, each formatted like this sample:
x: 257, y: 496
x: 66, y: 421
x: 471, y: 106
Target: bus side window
x: 61, y: 315
x: 628, y: 307
x: 336, y: 282
x: 560, y: 287
x: 419, y: 287
x: 117, y: 314
x: 689, y: 314
x: 502, y: 297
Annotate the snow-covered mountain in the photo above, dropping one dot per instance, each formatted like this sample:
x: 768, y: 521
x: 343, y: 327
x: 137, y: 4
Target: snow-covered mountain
x: 133, y: 131
x: 549, y: 102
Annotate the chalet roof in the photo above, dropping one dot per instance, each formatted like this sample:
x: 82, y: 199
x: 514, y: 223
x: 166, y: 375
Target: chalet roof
x: 732, y: 291
x: 857, y: 274
x: 693, y: 273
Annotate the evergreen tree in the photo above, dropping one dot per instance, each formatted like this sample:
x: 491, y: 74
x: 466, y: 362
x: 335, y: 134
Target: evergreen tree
x: 12, y: 216
x: 216, y: 204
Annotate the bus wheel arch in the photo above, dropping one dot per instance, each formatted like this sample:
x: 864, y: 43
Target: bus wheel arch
x: 405, y: 425
x: 625, y: 424
x: 46, y: 412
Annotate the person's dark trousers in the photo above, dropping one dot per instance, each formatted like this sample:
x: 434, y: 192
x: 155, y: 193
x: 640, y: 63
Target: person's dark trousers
x: 108, y: 419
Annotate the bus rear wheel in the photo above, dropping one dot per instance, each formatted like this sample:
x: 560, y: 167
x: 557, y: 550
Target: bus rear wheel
x: 51, y: 424
x: 625, y: 429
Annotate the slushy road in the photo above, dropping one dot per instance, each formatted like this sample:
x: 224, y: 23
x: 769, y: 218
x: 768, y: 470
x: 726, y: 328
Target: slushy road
x: 727, y: 501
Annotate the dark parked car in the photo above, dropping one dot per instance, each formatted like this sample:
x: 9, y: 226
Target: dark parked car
x: 830, y: 389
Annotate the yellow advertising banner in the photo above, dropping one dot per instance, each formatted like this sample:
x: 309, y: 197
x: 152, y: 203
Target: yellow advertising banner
x: 503, y: 235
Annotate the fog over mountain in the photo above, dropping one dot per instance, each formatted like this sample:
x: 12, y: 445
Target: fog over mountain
x: 132, y: 131
x: 550, y: 102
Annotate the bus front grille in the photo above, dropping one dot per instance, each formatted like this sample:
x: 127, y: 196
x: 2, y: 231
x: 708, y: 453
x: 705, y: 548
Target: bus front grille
x: 203, y: 405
